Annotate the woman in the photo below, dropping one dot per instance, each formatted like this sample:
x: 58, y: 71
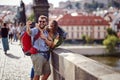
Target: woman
x: 53, y: 35
x: 4, y: 35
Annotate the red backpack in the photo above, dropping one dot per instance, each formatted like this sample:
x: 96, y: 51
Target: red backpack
x: 26, y: 43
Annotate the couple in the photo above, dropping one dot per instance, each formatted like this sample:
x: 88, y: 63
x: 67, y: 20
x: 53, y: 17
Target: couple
x: 46, y: 40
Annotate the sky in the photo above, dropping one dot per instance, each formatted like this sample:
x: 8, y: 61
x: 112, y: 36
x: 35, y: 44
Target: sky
x: 17, y: 2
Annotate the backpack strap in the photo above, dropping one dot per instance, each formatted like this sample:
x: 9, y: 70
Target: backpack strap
x: 36, y: 37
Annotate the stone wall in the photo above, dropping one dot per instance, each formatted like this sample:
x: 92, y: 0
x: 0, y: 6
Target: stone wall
x: 67, y: 65
x: 86, y: 50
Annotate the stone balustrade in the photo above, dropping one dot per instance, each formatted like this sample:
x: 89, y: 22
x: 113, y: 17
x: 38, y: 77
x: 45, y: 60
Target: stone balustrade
x: 67, y: 65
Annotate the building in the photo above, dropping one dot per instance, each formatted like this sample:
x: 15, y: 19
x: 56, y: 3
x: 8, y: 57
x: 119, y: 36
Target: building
x: 79, y: 5
x: 78, y: 25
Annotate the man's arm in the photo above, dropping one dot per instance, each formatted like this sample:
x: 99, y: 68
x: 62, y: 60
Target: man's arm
x: 48, y: 40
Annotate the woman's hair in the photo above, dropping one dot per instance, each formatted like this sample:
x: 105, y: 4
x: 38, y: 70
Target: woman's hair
x: 55, y: 23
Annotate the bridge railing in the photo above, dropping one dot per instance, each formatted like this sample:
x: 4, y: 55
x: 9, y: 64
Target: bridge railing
x: 67, y: 65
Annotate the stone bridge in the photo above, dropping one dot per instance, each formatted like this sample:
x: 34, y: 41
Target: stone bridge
x: 65, y: 65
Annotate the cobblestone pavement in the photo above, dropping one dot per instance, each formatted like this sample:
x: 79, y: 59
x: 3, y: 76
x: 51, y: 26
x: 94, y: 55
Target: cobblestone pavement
x: 14, y: 65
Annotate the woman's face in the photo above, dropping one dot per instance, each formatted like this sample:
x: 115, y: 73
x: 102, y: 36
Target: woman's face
x: 52, y: 25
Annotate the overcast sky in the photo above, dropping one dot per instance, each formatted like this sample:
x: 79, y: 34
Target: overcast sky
x: 17, y: 2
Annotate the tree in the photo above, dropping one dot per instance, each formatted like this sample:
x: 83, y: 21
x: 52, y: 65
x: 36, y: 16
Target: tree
x: 111, y: 40
x: 116, y: 4
x: 110, y: 43
x: 69, y: 6
x: 89, y: 40
x: 111, y: 32
x: 77, y: 5
x: 31, y: 17
x: 83, y: 38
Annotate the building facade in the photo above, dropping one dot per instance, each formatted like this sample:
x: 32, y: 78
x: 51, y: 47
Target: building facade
x: 79, y: 25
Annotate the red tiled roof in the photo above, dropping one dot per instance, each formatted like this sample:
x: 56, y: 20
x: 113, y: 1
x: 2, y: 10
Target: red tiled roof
x: 68, y: 20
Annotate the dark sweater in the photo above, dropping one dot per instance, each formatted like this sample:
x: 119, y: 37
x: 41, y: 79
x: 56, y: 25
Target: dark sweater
x: 4, y: 32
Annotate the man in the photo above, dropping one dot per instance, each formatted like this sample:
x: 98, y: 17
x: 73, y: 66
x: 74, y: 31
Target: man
x: 42, y: 44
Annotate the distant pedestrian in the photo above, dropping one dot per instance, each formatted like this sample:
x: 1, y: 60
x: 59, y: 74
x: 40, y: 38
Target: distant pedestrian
x: 20, y: 29
x: 15, y: 32
x: 10, y: 33
x: 4, y: 35
x: 0, y: 30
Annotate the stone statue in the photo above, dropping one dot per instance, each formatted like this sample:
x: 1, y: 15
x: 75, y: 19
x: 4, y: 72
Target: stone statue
x: 40, y: 7
x: 22, y: 12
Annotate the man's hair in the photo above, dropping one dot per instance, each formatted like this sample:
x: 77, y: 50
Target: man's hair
x: 43, y: 17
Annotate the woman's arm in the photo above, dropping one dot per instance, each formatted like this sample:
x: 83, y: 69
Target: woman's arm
x: 55, y: 41
x: 28, y: 27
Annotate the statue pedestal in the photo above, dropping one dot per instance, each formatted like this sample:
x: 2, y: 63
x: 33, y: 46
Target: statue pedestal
x: 40, y: 8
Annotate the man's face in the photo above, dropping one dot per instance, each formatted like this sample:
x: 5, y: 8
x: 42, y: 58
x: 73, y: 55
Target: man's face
x: 42, y: 23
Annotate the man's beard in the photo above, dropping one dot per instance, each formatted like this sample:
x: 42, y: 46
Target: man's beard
x: 42, y: 27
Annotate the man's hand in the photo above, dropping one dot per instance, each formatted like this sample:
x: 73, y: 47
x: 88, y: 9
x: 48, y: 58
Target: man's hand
x: 42, y: 35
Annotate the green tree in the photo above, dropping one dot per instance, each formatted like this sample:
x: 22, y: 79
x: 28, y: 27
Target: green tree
x: 77, y: 5
x: 31, y: 17
x: 111, y: 32
x: 110, y: 43
x: 84, y: 39
x: 111, y: 40
x: 89, y: 40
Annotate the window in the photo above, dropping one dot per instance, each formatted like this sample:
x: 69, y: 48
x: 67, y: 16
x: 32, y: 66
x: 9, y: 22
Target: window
x: 104, y: 28
x: 72, y: 35
x: 77, y: 34
x: 67, y: 28
x: 72, y: 28
x: 98, y: 28
x: 81, y: 28
x: 86, y: 28
x: 98, y: 35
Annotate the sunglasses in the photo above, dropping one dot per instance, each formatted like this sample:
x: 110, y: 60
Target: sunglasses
x: 42, y: 21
